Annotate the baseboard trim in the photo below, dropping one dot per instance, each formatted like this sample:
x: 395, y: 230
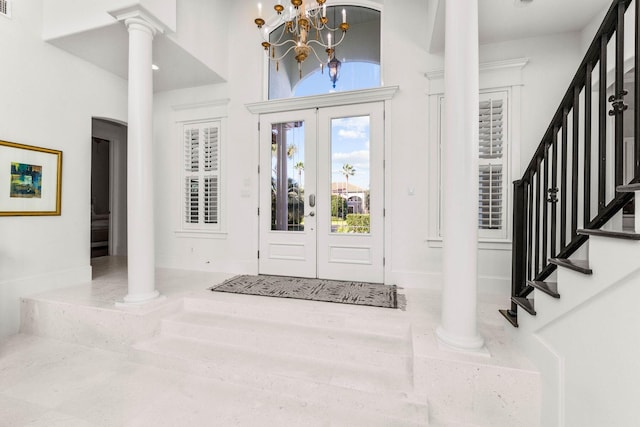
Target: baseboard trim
x: 433, y: 281
x: 221, y: 266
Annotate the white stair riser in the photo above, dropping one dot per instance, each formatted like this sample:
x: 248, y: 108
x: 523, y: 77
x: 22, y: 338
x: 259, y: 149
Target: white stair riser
x: 314, y: 348
x: 321, y: 388
x: 302, y: 313
x: 483, y: 394
x: 610, y: 259
x: 109, y: 329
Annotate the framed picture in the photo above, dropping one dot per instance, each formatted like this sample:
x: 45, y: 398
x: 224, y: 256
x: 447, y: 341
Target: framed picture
x: 30, y: 180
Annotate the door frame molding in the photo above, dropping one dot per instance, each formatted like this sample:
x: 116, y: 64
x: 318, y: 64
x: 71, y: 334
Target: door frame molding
x: 336, y: 99
x: 382, y: 94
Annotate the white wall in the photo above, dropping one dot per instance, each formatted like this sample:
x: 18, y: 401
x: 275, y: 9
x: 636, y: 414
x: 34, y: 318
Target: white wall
x: 552, y: 62
x: 597, y: 345
x: 410, y: 261
x: 205, y: 39
x: 48, y: 98
x: 64, y: 17
x: 235, y: 248
x: 585, y: 343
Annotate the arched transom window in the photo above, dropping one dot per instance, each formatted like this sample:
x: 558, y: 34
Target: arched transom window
x: 359, y: 55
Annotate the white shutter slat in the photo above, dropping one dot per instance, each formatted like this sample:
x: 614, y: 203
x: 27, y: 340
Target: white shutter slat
x: 191, y: 200
x: 5, y: 8
x: 211, y: 149
x: 490, y: 197
x: 191, y: 150
x: 201, y: 174
x: 490, y: 177
x: 211, y: 200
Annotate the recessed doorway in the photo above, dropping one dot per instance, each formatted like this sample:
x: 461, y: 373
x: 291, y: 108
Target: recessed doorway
x: 108, y: 188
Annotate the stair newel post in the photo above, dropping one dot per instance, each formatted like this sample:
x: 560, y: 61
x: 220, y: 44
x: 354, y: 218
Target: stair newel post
x: 519, y: 248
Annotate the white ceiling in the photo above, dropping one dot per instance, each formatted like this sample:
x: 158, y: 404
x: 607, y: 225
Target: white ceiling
x: 501, y: 20
x: 107, y: 47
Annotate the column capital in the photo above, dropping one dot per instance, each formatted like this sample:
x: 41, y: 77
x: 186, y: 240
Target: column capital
x: 138, y: 14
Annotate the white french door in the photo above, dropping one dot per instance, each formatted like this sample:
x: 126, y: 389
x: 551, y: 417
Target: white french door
x: 322, y: 193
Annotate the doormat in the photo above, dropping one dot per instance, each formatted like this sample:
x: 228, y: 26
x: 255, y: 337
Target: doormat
x: 344, y: 292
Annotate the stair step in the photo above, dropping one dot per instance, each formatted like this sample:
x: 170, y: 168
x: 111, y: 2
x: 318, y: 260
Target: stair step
x: 336, y: 383
x: 513, y: 319
x: 629, y: 188
x: 613, y: 234
x: 549, y: 288
x: 234, y: 363
x: 579, y: 265
x: 383, y: 321
x: 525, y: 303
x: 281, y: 338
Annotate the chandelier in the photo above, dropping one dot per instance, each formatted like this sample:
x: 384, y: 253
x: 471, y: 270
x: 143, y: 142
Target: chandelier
x: 304, y: 29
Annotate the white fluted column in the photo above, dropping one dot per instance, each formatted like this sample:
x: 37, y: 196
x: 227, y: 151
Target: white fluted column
x: 140, y: 212
x: 458, y: 327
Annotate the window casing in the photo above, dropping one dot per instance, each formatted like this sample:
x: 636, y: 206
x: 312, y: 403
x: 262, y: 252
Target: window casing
x: 499, y: 81
x: 201, y: 178
x: 493, y: 170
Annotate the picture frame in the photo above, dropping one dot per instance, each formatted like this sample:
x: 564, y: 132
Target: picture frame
x: 30, y: 180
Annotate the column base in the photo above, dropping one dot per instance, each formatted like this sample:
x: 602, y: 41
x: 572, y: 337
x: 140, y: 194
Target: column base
x: 471, y: 345
x: 140, y: 299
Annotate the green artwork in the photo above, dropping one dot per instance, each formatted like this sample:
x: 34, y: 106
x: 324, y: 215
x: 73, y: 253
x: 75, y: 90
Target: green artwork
x: 26, y: 181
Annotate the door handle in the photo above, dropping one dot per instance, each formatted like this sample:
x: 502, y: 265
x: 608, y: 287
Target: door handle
x: 312, y: 200
x: 312, y: 213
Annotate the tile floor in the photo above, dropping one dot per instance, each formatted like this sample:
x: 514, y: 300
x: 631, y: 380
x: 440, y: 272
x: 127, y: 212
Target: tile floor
x: 49, y: 382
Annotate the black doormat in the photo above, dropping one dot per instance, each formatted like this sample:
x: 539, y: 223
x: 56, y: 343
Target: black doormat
x: 345, y: 292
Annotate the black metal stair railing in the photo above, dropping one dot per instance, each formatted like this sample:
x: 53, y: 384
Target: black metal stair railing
x: 576, y: 153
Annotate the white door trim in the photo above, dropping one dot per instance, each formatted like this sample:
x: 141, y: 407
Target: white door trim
x: 321, y: 101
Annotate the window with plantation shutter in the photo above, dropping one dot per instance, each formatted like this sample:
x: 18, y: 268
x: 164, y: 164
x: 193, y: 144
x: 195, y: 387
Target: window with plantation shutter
x: 5, y: 8
x: 201, y: 175
x: 491, y: 145
x: 498, y: 147
x: 493, y: 167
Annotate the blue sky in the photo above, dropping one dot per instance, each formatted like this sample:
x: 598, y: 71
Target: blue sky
x: 350, y: 144
x: 353, y: 75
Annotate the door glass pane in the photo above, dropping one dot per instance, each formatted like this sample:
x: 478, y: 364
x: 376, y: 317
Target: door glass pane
x: 350, y: 195
x: 287, y: 176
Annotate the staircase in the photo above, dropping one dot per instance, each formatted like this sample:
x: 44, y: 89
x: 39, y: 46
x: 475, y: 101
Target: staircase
x: 578, y: 176
x: 575, y: 263
x: 359, y: 370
